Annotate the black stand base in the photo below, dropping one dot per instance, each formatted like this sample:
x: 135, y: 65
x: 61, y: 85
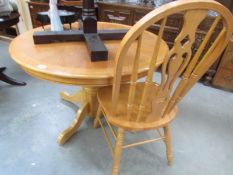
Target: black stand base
x: 46, y: 37
x: 9, y: 80
x: 96, y: 48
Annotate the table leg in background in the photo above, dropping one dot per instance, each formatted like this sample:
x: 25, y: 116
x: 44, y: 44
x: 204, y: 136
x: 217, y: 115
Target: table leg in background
x: 9, y: 80
x: 87, y: 98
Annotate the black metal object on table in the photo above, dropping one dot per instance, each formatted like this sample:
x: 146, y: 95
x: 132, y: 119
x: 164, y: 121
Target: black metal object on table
x: 66, y: 17
x: 87, y: 33
x: 5, y: 22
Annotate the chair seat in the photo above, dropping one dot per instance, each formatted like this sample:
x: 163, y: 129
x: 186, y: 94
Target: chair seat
x: 121, y: 120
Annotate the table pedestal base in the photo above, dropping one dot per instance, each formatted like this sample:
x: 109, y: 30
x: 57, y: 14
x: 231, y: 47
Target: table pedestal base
x: 87, y: 98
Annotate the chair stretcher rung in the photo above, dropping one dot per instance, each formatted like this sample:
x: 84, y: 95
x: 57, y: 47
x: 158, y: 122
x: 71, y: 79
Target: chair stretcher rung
x: 106, y: 137
x: 160, y: 134
x: 111, y: 129
x: 142, y: 142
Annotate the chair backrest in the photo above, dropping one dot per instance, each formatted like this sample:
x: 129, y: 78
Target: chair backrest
x: 180, y: 61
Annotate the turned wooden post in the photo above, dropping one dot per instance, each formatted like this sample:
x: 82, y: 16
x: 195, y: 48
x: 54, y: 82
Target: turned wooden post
x: 89, y: 17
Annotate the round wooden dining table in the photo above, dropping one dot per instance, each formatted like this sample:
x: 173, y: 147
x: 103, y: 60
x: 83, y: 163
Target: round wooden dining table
x: 69, y: 63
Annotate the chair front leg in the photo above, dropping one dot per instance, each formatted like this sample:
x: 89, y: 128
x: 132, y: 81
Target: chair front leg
x: 117, y: 151
x: 167, y: 135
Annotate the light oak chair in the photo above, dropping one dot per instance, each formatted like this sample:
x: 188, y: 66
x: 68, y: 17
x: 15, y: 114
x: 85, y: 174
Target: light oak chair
x: 149, y: 105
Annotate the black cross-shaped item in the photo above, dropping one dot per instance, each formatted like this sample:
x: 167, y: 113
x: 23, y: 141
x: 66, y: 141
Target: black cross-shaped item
x: 88, y: 32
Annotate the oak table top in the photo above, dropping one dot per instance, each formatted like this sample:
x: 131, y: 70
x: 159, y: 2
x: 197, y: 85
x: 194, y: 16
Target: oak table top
x: 69, y: 63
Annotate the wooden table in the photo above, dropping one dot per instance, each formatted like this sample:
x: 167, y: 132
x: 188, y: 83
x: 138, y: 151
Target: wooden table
x: 6, y: 22
x: 69, y: 63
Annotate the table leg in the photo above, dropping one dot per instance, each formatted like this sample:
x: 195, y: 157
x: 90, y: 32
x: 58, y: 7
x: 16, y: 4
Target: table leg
x: 89, y: 104
x: 66, y: 134
x: 72, y: 98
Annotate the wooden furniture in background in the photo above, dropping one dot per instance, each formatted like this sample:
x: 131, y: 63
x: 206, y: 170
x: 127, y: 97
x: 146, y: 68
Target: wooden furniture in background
x: 71, y: 3
x: 227, y: 3
x: 35, y: 7
x: 127, y: 13
x: 69, y: 63
x: 224, y: 75
x: 6, y: 22
x: 66, y: 18
x: 148, y: 105
x: 123, y: 12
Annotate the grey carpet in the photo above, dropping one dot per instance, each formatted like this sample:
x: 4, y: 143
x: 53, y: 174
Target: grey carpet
x: 31, y: 118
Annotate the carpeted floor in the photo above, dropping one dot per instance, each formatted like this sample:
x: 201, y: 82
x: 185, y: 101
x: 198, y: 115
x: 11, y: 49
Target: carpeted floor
x: 31, y: 118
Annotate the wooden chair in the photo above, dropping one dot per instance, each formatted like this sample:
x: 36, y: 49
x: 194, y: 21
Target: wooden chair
x: 149, y: 105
